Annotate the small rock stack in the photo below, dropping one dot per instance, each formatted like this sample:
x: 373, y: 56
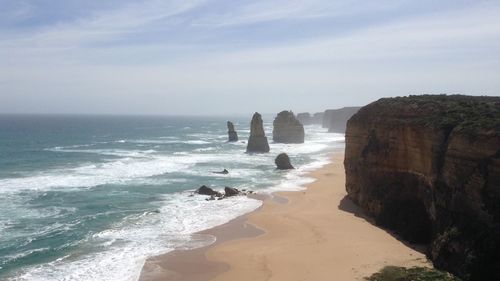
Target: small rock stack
x: 232, y: 135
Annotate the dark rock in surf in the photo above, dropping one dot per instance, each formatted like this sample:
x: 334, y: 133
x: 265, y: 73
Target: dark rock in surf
x: 205, y: 190
x: 223, y: 172
x: 229, y: 191
x: 283, y: 162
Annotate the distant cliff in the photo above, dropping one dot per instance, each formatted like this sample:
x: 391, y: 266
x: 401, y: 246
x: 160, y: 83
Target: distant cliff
x: 336, y: 119
x: 428, y: 167
x: 305, y: 118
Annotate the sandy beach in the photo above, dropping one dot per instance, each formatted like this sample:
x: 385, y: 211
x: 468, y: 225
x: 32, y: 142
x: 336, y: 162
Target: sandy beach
x: 315, y: 234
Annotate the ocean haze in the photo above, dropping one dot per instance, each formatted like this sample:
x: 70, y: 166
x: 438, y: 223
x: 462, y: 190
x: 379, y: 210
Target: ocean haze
x: 225, y: 57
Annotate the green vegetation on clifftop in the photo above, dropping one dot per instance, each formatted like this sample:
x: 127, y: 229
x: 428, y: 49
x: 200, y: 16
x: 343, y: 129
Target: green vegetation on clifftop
x: 463, y: 113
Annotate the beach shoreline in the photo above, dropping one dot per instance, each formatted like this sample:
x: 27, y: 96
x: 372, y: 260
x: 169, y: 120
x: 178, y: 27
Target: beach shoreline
x: 312, y: 234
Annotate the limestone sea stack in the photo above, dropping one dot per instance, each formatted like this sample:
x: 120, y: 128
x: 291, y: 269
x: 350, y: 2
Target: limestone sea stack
x: 287, y: 129
x: 257, y: 142
x: 232, y: 135
x: 282, y: 162
x: 428, y: 167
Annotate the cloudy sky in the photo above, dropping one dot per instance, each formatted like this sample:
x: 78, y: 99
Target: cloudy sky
x: 239, y: 56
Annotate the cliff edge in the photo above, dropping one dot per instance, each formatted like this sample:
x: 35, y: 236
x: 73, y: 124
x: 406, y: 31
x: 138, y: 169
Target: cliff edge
x: 428, y: 167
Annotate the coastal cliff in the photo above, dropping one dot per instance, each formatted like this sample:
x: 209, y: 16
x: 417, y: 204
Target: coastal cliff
x: 428, y: 167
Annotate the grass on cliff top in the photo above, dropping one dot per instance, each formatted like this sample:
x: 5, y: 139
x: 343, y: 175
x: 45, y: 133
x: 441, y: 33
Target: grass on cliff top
x: 465, y: 113
x: 395, y: 273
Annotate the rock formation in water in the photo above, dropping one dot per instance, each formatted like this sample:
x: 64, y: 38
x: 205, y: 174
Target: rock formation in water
x: 205, y: 190
x: 287, y: 129
x: 257, y: 142
x: 428, y: 167
x: 232, y: 135
x: 230, y: 191
x: 282, y: 162
x: 336, y: 119
x: 304, y: 118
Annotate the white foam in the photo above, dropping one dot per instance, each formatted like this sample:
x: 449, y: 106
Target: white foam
x: 111, y: 152
x: 114, y: 172
x: 129, y: 243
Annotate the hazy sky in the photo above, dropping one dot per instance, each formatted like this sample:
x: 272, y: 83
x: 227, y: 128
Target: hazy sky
x: 230, y: 56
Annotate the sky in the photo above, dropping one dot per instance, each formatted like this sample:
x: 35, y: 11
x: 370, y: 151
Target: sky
x: 199, y: 57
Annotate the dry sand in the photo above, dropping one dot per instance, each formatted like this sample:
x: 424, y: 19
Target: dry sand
x: 318, y: 234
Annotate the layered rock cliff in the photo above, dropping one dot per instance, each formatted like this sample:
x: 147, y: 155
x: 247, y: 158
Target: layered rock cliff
x: 231, y: 133
x: 428, y: 167
x: 287, y: 129
x: 257, y: 142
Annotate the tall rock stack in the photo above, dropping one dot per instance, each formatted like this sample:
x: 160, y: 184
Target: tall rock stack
x: 287, y: 129
x: 232, y: 135
x: 257, y: 142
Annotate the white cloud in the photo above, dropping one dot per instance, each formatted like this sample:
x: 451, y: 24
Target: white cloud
x: 101, y: 26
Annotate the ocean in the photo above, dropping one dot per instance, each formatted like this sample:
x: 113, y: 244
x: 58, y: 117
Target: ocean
x: 91, y: 197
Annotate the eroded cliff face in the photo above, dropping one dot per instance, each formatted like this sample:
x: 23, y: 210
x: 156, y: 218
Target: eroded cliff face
x: 428, y: 167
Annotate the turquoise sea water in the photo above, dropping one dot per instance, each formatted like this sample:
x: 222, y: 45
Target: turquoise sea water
x: 91, y: 197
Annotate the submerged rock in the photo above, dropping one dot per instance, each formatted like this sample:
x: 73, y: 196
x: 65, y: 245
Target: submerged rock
x: 287, y: 129
x: 428, y: 167
x: 232, y: 135
x: 257, y: 142
x: 223, y: 172
x: 283, y: 162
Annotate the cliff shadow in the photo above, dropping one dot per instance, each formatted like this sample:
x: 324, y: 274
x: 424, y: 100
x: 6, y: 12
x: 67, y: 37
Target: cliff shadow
x: 347, y: 205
